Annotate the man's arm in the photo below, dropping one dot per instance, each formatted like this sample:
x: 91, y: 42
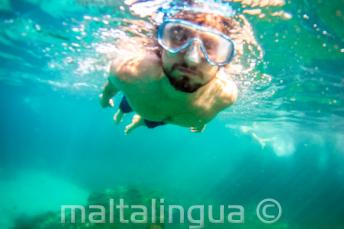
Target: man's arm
x: 227, y: 93
x: 109, y: 91
x: 128, y: 65
x: 227, y: 90
x: 230, y: 93
x: 143, y: 67
x: 134, y: 60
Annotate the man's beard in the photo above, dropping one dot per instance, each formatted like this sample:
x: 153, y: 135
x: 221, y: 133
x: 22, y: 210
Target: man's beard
x: 185, y: 71
x: 182, y: 82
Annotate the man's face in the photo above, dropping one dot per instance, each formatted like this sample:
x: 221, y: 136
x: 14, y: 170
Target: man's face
x: 189, y: 65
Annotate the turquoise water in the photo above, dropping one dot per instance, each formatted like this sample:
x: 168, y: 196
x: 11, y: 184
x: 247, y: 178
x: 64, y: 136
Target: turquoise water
x: 283, y: 139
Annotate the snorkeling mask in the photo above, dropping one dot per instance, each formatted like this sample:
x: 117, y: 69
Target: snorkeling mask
x: 176, y: 35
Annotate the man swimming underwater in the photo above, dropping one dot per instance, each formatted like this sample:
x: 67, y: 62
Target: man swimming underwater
x: 183, y: 80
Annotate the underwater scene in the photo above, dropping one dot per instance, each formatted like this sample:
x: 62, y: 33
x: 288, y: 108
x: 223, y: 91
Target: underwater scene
x: 261, y: 147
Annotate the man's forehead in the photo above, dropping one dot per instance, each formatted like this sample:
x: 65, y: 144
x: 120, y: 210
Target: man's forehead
x: 204, y: 19
x: 222, y: 9
x: 207, y: 24
x: 195, y: 16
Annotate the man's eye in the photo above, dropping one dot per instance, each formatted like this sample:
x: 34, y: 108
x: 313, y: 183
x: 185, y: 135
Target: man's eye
x: 179, y: 34
x: 209, y: 45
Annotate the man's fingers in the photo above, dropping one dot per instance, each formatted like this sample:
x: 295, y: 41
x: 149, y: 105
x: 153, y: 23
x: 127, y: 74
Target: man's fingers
x: 197, y: 129
x: 111, y: 103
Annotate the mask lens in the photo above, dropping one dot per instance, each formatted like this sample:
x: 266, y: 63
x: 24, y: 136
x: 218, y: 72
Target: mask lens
x: 177, y: 35
x: 217, y: 48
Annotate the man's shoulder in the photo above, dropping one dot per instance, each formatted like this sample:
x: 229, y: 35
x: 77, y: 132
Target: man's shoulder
x: 227, y: 90
x: 140, y: 66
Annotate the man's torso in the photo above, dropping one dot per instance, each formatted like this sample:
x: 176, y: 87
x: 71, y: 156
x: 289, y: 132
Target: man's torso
x: 153, y: 97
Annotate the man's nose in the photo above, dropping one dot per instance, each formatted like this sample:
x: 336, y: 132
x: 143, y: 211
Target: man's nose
x: 193, y: 54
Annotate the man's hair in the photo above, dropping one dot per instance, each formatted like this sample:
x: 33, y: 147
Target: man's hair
x: 215, y: 21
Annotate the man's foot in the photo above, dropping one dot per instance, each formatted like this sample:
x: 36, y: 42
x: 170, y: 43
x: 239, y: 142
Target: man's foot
x: 135, y: 122
x: 118, y: 116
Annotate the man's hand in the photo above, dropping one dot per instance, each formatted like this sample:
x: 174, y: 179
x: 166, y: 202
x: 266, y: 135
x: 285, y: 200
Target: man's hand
x: 106, y: 102
x: 109, y: 91
x: 198, y: 129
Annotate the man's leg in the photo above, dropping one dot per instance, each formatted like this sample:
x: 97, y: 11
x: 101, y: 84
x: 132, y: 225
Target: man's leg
x: 139, y: 121
x: 135, y: 122
x: 118, y: 116
x: 124, y: 108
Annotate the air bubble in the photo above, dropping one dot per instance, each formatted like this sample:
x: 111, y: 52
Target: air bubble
x: 38, y: 27
x: 76, y: 30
